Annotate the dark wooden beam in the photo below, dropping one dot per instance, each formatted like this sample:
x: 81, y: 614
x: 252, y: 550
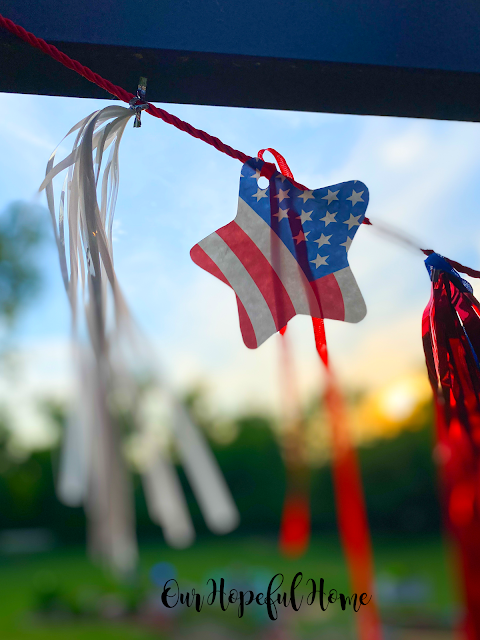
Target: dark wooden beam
x: 369, y: 57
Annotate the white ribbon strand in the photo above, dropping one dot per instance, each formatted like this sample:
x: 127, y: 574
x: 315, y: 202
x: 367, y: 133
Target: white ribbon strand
x: 92, y: 469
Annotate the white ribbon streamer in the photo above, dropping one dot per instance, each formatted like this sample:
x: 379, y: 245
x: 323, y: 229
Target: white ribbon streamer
x: 92, y: 470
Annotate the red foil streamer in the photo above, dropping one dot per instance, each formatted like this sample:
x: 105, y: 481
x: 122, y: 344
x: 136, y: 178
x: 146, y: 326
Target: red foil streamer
x: 451, y: 340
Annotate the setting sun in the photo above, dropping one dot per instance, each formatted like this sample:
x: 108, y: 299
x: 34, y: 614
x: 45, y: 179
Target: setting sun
x: 389, y: 409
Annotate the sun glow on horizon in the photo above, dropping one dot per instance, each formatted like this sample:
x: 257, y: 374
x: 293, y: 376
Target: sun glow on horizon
x: 393, y: 407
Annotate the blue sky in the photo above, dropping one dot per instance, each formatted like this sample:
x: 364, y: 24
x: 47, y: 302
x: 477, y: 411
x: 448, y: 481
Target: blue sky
x: 174, y: 190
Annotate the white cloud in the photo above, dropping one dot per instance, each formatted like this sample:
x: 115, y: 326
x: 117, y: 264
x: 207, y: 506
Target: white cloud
x: 406, y: 148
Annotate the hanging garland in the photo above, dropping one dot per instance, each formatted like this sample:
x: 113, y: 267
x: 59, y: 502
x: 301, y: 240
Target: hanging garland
x: 264, y: 257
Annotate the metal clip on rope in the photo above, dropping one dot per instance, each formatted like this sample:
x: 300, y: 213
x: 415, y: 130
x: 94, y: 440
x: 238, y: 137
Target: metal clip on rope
x: 139, y: 102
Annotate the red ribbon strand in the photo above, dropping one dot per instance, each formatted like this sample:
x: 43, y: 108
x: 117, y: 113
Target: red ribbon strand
x: 349, y: 496
x: 117, y: 91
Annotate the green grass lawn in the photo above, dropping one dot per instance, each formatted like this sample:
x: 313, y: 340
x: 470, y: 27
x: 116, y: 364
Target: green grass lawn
x: 22, y: 578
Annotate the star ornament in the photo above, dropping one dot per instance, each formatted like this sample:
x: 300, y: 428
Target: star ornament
x: 281, y: 263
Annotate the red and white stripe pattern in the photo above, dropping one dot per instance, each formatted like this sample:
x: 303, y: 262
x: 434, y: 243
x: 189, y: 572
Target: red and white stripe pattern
x: 270, y: 286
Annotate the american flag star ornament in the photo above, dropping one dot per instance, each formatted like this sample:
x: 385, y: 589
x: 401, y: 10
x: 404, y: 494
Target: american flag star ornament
x: 286, y: 252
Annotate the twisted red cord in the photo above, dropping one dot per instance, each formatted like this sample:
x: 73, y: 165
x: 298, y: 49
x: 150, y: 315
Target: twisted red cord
x: 169, y: 118
x: 126, y: 96
x: 117, y: 91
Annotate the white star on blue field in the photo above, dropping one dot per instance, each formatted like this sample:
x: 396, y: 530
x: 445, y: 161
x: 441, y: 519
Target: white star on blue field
x: 302, y: 231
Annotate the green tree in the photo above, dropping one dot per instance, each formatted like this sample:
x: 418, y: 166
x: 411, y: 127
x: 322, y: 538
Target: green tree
x: 22, y: 228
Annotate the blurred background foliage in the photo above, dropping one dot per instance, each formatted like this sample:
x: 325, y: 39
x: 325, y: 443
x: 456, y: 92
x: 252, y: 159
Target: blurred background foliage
x: 398, y: 474
x: 44, y: 570
x: 22, y: 230
x: 397, y: 467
